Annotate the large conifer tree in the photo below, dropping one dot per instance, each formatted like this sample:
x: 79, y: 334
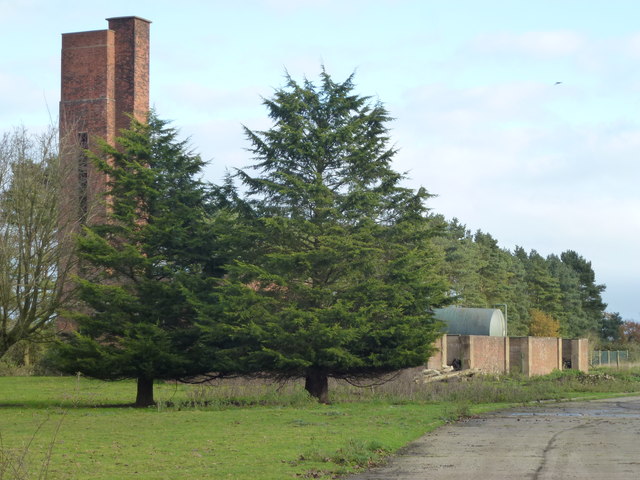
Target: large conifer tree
x: 341, y: 276
x: 142, y: 263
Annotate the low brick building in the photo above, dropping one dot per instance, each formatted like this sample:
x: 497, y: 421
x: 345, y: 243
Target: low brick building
x: 527, y: 355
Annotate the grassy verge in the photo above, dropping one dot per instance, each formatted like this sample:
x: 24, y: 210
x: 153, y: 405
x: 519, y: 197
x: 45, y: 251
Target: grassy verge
x: 60, y: 428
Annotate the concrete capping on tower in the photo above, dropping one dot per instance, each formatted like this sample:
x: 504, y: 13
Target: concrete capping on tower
x: 104, y: 78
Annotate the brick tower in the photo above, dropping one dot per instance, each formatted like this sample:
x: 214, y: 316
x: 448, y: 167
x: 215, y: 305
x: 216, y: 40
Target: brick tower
x: 105, y: 78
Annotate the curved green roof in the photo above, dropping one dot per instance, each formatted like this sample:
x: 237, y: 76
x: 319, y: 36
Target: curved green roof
x: 472, y: 321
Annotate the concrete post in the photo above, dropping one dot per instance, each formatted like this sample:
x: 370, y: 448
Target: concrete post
x: 443, y: 350
x: 507, y: 351
x: 528, y: 360
x: 468, y: 351
x: 579, y: 354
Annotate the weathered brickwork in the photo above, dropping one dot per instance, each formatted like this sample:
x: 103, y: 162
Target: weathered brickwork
x: 439, y: 358
x: 132, y: 68
x: 545, y: 355
x: 104, y: 78
x: 455, y: 350
x: 527, y: 355
x: 575, y: 353
x: 491, y: 353
x: 519, y: 354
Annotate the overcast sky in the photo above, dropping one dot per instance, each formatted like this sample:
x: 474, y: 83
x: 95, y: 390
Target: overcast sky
x: 523, y: 117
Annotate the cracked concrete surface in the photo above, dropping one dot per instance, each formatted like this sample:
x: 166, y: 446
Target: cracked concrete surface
x: 573, y: 440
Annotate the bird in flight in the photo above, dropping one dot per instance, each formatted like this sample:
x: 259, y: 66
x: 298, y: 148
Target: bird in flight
x: 558, y: 83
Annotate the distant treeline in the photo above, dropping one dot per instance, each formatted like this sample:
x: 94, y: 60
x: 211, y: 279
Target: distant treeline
x: 482, y: 274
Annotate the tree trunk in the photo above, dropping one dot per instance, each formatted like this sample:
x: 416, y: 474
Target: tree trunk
x: 316, y: 382
x: 144, y: 397
x: 27, y: 354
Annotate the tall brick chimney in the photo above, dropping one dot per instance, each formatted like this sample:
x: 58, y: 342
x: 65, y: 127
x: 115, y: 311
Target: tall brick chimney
x: 105, y: 77
x: 131, y: 68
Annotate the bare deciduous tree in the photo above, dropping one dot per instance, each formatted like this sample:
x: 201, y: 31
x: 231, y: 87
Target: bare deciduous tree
x: 35, y: 257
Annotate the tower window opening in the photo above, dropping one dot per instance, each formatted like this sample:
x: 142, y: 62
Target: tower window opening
x: 83, y: 175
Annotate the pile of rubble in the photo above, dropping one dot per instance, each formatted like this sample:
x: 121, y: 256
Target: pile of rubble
x: 447, y: 372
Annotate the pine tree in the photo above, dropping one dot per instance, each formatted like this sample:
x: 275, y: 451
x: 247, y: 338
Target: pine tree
x: 518, y: 300
x: 589, y: 292
x: 142, y: 264
x: 462, y: 264
x: 609, y: 327
x: 543, y: 288
x: 573, y: 320
x: 341, y: 276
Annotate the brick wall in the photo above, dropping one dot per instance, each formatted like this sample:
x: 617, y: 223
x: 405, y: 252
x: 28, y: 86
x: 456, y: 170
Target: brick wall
x: 455, y: 348
x: 132, y: 68
x: 527, y: 355
x: 519, y: 355
x: 490, y: 354
x: 545, y: 355
x: 86, y: 108
x: 579, y: 354
x: 439, y: 357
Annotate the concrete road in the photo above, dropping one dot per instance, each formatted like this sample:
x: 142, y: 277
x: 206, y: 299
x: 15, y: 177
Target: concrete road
x: 599, y: 439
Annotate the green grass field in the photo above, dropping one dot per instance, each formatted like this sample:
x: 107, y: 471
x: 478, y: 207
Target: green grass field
x: 76, y: 428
